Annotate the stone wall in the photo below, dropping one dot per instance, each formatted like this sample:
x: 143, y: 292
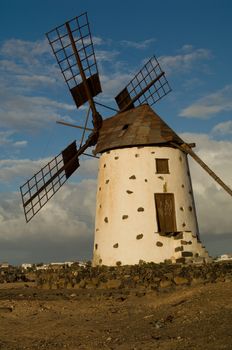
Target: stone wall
x: 151, y: 276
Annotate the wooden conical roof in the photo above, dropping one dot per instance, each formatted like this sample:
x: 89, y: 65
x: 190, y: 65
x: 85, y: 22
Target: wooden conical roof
x: 135, y: 127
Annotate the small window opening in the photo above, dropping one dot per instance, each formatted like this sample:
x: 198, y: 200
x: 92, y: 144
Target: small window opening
x: 162, y: 166
x: 125, y: 127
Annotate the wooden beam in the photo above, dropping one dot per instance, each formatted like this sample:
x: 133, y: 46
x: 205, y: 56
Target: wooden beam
x: 73, y: 125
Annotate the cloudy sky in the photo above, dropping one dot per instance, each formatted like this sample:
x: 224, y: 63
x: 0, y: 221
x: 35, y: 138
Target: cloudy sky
x: 191, y: 40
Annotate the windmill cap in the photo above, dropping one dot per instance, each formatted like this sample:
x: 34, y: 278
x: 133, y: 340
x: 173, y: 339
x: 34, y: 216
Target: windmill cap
x: 135, y: 127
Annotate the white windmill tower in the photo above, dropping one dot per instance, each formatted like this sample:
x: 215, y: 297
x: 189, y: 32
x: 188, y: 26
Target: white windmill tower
x: 145, y: 207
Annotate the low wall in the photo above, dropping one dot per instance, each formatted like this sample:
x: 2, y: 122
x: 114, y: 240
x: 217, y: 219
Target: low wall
x: 152, y: 276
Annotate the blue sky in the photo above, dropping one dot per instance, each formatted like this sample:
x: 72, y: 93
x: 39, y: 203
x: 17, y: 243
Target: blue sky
x: 191, y: 40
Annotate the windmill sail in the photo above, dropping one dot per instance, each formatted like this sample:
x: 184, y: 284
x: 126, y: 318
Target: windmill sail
x: 37, y: 191
x: 73, y: 48
x: 148, y: 86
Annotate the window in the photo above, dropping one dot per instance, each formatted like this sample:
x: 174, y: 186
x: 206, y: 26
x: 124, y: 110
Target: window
x: 162, y: 166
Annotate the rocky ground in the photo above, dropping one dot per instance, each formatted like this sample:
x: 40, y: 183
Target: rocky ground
x: 147, y: 306
x: 169, y: 313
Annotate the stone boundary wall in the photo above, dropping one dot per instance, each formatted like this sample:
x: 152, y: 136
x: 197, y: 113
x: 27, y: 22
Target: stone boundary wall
x: 144, y: 276
x: 148, y: 276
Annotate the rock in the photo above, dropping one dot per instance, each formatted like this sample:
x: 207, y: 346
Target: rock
x: 140, y: 294
x: 179, y: 249
x: 197, y: 280
x: 179, y: 280
x: 112, y: 284
x: 165, y: 283
x: 6, y: 309
x: 82, y: 284
x: 186, y: 254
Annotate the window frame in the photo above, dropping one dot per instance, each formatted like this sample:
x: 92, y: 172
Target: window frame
x: 160, y: 171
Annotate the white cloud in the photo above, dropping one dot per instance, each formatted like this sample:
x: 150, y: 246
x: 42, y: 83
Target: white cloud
x: 6, y: 139
x: 138, y: 44
x: 27, y: 112
x: 210, y: 105
x: 35, y: 80
x: 10, y: 169
x: 97, y: 41
x: 224, y: 128
x: 113, y: 83
x: 26, y: 52
x: 184, y: 61
x: 27, y: 78
x: 62, y: 230
x: 106, y: 56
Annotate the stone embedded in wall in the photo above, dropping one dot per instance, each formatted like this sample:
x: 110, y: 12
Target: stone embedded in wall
x: 106, y: 219
x: 179, y: 236
x: 159, y: 244
x: 115, y: 245
x: 179, y: 249
x: 107, y: 181
x: 140, y: 236
x: 165, y: 283
x: 180, y: 280
x: 184, y: 242
x: 125, y: 217
x: 132, y: 177
x: 140, y: 209
x: 129, y: 192
x: 186, y: 254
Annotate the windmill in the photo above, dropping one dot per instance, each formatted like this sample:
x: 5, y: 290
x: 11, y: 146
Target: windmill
x: 145, y: 206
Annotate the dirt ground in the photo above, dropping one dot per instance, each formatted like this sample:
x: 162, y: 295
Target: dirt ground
x: 197, y: 317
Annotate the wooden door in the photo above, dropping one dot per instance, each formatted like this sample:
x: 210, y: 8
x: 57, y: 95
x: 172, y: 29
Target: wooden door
x: 165, y: 211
